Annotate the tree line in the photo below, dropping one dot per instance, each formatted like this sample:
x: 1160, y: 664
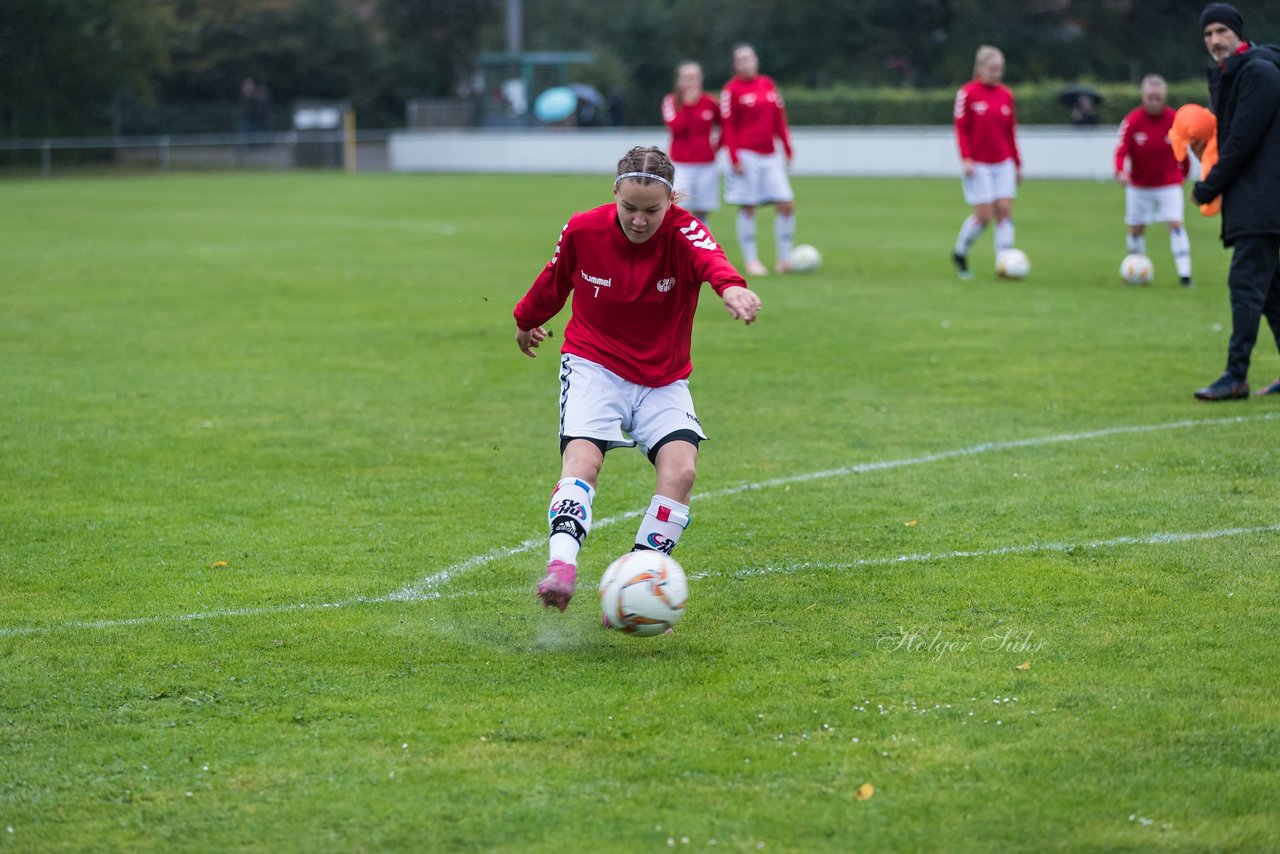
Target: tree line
x: 87, y: 67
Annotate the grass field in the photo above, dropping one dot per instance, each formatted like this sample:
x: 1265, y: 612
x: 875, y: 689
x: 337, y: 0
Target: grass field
x: 273, y: 479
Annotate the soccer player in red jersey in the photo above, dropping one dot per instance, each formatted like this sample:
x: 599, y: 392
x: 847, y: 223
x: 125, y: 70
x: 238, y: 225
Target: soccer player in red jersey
x: 1152, y: 175
x: 755, y: 119
x: 693, y: 117
x: 986, y: 123
x: 634, y: 269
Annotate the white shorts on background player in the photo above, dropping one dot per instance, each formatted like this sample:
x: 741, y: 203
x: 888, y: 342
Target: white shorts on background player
x: 763, y: 180
x: 991, y: 181
x: 596, y: 403
x: 1145, y: 205
x: 699, y: 183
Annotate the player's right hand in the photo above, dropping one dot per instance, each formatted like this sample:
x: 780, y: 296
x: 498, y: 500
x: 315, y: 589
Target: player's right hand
x: 529, y: 339
x: 966, y: 166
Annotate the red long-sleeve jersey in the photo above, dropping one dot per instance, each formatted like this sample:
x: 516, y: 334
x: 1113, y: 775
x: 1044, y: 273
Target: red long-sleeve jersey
x: 1144, y: 140
x: 633, y: 303
x: 986, y: 123
x: 753, y: 114
x: 691, y: 127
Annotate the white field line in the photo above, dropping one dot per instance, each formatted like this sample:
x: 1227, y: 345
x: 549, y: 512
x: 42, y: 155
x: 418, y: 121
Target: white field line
x: 934, y: 557
x: 425, y: 588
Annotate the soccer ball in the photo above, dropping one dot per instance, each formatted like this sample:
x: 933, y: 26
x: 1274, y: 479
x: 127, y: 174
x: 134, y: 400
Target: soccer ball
x: 643, y: 593
x: 1012, y: 264
x: 1137, y: 269
x: 805, y: 259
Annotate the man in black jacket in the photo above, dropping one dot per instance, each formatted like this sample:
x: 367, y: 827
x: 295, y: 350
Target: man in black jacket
x: 1245, y: 90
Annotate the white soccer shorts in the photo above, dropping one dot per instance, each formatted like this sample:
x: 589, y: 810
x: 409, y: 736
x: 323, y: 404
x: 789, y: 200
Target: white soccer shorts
x: 1145, y: 205
x: 596, y: 403
x: 763, y: 180
x: 699, y: 184
x: 991, y: 181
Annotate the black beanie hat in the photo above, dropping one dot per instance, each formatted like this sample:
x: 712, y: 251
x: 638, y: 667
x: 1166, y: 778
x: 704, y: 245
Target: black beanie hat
x: 1222, y: 13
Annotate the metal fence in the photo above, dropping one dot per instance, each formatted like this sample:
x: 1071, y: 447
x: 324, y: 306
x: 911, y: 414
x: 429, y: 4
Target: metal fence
x: 364, y: 151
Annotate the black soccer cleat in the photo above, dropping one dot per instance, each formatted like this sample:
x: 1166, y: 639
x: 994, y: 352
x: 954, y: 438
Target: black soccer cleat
x: 1186, y: 282
x: 962, y: 266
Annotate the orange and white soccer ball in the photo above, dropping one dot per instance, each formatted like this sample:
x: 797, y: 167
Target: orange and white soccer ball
x: 1013, y: 264
x: 1137, y: 269
x: 643, y: 593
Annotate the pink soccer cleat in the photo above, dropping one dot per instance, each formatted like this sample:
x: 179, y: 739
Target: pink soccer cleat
x: 557, y: 588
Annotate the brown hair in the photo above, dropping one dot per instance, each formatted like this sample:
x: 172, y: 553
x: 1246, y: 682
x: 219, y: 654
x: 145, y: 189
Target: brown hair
x: 652, y: 160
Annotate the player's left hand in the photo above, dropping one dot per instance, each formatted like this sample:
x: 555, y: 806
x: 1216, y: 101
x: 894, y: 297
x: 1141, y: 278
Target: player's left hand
x: 1202, y: 194
x: 741, y: 303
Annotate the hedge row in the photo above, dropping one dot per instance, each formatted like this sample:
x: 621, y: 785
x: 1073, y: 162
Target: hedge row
x: 1038, y: 104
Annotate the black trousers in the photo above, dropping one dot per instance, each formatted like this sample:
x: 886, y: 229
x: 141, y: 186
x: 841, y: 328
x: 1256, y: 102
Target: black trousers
x: 1254, y: 280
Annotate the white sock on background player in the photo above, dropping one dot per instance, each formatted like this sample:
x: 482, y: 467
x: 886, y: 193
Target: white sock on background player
x: 1181, y: 246
x: 662, y: 525
x: 747, y: 237
x: 1137, y: 244
x: 970, y: 231
x: 1004, y: 235
x: 570, y: 518
x: 784, y: 233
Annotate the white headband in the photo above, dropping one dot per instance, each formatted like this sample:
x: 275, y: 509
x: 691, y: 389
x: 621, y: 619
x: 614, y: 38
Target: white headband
x: 644, y: 175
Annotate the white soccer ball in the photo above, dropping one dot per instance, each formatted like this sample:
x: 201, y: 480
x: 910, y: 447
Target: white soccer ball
x: 1137, y: 269
x: 643, y: 593
x: 1012, y: 264
x: 805, y: 259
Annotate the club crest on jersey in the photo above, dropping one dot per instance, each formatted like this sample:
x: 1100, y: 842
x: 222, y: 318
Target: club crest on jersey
x: 667, y: 284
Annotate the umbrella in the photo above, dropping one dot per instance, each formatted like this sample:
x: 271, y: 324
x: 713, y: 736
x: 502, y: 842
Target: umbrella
x: 590, y: 101
x: 1072, y: 94
x: 555, y: 104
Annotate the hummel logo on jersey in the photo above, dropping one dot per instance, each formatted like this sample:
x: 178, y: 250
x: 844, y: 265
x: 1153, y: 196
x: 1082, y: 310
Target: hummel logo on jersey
x: 596, y: 280
x: 556, y: 257
x: 665, y: 285
x: 698, y: 235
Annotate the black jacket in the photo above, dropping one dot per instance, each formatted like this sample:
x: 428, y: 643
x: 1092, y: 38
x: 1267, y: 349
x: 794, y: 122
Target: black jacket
x: 1246, y: 100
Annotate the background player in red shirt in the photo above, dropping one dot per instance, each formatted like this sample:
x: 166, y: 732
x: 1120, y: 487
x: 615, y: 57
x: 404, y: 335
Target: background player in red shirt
x: 693, y: 117
x: 754, y: 116
x: 634, y: 269
x: 986, y: 124
x: 1152, y: 175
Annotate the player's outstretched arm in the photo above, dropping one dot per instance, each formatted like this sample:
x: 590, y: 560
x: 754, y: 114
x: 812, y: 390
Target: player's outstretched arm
x: 741, y: 303
x: 528, y: 340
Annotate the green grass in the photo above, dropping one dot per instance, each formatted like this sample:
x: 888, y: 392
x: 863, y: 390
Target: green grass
x: 313, y: 379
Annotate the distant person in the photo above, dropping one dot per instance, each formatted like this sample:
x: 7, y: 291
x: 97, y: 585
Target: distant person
x: 1244, y: 86
x: 634, y: 268
x: 693, y: 118
x: 986, y: 130
x: 617, y: 106
x: 1084, y: 112
x: 1153, y: 175
x: 754, y: 120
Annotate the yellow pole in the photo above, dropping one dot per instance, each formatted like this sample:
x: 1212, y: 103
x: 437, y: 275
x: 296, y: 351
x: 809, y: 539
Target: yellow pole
x: 349, y: 141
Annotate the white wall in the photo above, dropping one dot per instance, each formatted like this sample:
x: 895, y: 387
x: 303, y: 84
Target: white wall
x: 1047, y: 152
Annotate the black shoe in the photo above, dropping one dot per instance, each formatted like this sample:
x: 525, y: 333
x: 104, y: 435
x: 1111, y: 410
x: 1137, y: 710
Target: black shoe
x: 1226, y: 387
x: 1186, y: 282
x: 1273, y: 388
x: 962, y: 266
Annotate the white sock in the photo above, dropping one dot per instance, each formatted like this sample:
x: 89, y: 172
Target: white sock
x: 1181, y: 246
x: 662, y: 525
x: 747, y: 237
x: 1004, y: 235
x: 1137, y: 244
x: 570, y: 518
x: 970, y: 231
x: 784, y: 232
